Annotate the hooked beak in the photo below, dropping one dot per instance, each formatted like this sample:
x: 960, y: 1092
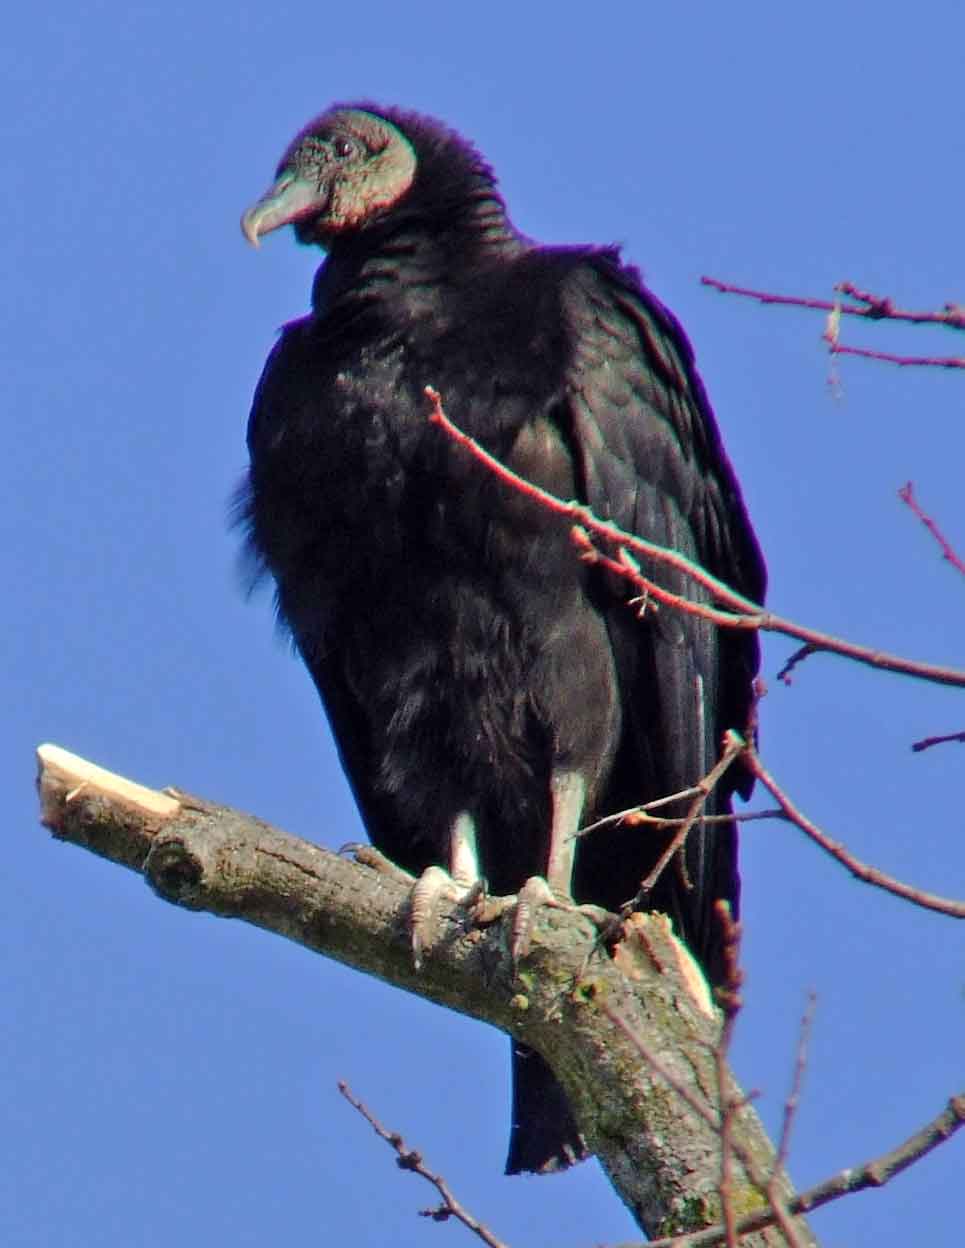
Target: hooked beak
x: 291, y: 199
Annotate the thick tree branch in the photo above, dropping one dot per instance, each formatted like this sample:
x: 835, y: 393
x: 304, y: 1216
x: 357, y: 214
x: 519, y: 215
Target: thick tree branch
x: 874, y: 1173
x: 662, y: 1157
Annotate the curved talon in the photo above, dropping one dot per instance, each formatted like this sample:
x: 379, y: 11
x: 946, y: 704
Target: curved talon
x: 534, y: 893
x: 432, y: 884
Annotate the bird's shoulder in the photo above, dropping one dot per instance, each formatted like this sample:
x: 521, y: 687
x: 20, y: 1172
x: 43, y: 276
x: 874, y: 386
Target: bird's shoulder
x: 647, y: 437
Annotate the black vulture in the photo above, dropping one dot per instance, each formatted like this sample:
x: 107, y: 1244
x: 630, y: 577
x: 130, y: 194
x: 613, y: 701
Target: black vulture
x: 488, y: 691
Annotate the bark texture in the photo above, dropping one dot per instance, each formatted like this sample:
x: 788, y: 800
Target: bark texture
x: 587, y: 1013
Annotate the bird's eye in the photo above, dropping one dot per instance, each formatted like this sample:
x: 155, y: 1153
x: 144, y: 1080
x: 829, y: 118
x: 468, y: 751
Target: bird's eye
x: 344, y: 148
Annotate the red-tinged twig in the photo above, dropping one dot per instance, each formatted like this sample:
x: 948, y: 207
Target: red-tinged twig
x: 927, y: 742
x: 718, y: 1120
x: 880, y: 307
x: 699, y: 1107
x: 748, y: 613
x: 875, y: 307
x: 855, y: 1179
x: 791, y: 301
x: 409, y: 1159
x: 875, y: 1173
x: 625, y: 566
x: 860, y: 870
x: 703, y: 790
x: 870, y: 307
x: 907, y: 496
x: 774, y: 1194
x: 729, y: 997
x: 797, y: 1081
x: 903, y: 361
x: 641, y: 815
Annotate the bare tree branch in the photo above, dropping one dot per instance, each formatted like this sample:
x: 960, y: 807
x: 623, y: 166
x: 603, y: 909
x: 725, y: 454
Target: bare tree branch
x: 732, y: 748
x: 410, y: 1159
x: 926, y: 743
x: 889, y: 357
x: 876, y: 307
x: 662, y: 1158
x: 869, y: 307
x: 774, y: 1193
x: 749, y: 614
x: 869, y: 875
x: 881, y: 307
x: 874, y: 1173
x: 797, y: 1080
x: 730, y: 999
x: 907, y: 496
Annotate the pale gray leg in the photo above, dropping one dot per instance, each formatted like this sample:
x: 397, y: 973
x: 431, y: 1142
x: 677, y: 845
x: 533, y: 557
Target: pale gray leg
x: 568, y: 794
x: 456, y: 884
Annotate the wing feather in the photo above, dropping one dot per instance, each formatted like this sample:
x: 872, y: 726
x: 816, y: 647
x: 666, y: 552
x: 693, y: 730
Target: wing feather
x: 651, y: 460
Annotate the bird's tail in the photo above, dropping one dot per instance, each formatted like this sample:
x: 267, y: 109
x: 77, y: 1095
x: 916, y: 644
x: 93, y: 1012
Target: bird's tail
x: 544, y: 1136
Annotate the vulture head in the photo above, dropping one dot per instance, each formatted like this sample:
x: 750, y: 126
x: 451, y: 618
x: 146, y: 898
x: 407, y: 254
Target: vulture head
x: 355, y: 165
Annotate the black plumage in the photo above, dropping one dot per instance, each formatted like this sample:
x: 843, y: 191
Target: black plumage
x: 488, y: 691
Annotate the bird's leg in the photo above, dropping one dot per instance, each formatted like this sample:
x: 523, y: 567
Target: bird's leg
x: 459, y: 883
x: 568, y: 797
x: 568, y: 794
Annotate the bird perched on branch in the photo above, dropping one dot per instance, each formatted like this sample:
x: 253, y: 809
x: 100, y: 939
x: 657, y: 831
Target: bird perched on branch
x: 489, y: 692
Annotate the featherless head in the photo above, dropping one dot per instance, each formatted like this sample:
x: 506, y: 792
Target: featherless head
x: 354, y: 164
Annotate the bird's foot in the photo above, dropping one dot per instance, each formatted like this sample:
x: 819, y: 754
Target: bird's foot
x: 536, y: 892
x: 432, y: 886
x: 425, y: 890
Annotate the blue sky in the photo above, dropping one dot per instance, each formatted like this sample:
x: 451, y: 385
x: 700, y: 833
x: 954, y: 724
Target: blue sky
x: 169, y: 1077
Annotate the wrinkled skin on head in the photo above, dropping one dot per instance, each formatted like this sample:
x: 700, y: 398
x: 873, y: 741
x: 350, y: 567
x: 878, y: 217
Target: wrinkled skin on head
x: 341, y: 172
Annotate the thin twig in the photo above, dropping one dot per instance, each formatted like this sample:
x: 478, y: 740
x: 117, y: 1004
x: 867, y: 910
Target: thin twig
x: 800, y: 1065
x: 780, y: 1213
x: 907, y: 496
x: 861, y: 870
x: 903, y: 361
x: 729, y: 997
x: 927, y: 742
x: 870, y: 307
x: 774, y: 1193
x: 703, y: 788
x: 410, y: 1159
x: 798, y: 656
x: 639, y: 814
x: 748, y: 614
x: 877, y: 308
x: 699, y: 1107
x: 880, y: 307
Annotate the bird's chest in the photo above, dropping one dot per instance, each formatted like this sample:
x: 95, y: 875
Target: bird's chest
x: 351, y: 468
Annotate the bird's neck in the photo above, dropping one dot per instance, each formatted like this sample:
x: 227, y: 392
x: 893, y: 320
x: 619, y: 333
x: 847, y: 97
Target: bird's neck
x: 419, y: 248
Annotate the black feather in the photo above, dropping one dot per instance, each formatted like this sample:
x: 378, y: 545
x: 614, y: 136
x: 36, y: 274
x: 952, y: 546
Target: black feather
x: 462, y: 652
